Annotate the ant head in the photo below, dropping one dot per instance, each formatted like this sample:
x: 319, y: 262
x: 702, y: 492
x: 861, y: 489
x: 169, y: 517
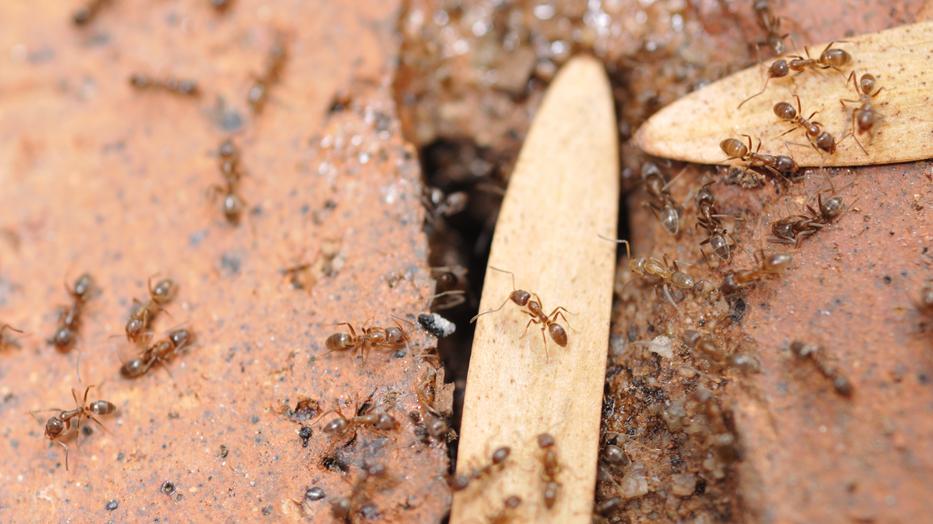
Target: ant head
x: 520, y: 297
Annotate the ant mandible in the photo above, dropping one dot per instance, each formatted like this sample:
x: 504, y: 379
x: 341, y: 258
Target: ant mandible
x: 533, y: 308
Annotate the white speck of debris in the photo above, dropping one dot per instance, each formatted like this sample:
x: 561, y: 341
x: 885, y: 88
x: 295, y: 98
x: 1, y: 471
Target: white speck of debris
x: 445, y: 326
x: 662, y: 346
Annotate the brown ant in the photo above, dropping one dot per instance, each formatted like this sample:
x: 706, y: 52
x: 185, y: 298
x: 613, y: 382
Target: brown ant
x: 818, y: 137
x: 229, y: 164
x: 717, y: 236
x: 60, y: 426
x: 344, y: 508
x: 830, y: 58
x: 668, y: 274
x: 533, y: 308
x: 390, y: 338
x: 258, y: 93
x: 776, y: 165
x: 766, y: 266
x: 813, y: 352
x: 435, y: 421
x: 4, y: 342
x: 182, y: 87
x: 364, y: 416
x: 142, y: 313
x: 795, y: 228
x: 86, y: 14
x: 551, y: 469
x: 864, y: 116
x: 159, y: 352
x: 461, y: 481
x: 69, y: 318
x: 771, y: 24
x: 661, y: 202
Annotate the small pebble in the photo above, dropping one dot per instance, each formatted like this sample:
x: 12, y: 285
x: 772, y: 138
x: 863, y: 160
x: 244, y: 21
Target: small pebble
x: 314, y: 494
x: 662, y: 345
x: 112, y: 505
x: 683, y: 485
x: 634, y: 485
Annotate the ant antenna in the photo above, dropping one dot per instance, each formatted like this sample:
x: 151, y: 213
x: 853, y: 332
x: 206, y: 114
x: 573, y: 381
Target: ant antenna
x: 628, y: 251
x: 763, y: 88
x: 504, y: 302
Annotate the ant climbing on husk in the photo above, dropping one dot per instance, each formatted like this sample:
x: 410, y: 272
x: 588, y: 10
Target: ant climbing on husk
x: 830, y: 58
x: 819, y: 138
x: 533, y: 308
x: 864, y: 116
x: 461, y: 481
x: 551, y: 468
x: 776, y: 165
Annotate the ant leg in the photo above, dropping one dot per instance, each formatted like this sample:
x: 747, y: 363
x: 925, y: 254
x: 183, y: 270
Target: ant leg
x: 547, y: 354
x: 65, y: 447
x: 530, y: 321
x: 667, y: 294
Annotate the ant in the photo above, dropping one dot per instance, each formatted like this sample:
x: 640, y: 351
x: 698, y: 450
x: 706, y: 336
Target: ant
x: 717, y: 236
x: 364, y: 416
x: 460, y: 482
x: 766, y: 265
x: 534, y: 309
x: 771, y: 24
x: 551, y: 467
x: 435, y: 421
x: 160, y: 352
x: 660, y: 202
x: 794, y: 229
x: 813, y: 352
x: 830, y: 58
x: 176, y: 86
x: 668, y: 274
x: 142, y: 313
x: 819, y: 138
x: 69, y: 318
x: 864, y: 116
x: 343, y: 508
x: 777, y: 165
x: 229, y: 165
x: 4, y: 342
x: 86, y: 14
x: 60, y: 426
x: 371, y: 338
x: 258, y: 93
